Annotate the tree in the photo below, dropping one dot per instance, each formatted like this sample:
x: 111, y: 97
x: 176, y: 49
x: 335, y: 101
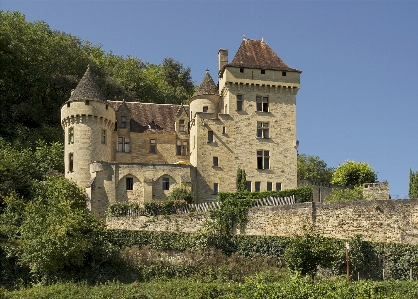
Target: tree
x: 241, y: 180
x: 57, y: 233
x: 346, y: 194
x: 354, y: 174
x: 413, y: 184
x: 314, y: 169
x: 181, y: 193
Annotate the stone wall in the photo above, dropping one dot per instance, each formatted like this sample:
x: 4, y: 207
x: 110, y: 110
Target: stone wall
x: 380, y: 221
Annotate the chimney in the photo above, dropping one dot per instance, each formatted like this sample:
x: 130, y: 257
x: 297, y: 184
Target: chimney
x: 222, y: 58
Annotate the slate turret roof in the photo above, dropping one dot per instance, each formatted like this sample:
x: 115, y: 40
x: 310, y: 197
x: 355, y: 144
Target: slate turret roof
x: 207, y: 86
x: 161, y: 116
x: 87, y: 89
x: 258, y: 55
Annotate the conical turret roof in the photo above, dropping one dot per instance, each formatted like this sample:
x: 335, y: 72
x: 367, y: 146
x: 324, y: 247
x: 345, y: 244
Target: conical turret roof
x: 207, y: 86
x: 87, y: 89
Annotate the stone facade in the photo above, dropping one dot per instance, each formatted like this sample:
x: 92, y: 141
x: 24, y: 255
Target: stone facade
x: 132, y: 152
x: 376, y: 220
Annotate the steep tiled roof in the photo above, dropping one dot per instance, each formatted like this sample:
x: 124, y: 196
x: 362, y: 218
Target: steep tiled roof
x: 144, y: 114
x: 207, y: 86
x: 257, y: 54
x: 87, y: 89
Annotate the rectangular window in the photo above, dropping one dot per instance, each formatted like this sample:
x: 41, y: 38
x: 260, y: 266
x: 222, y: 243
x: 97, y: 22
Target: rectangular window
x: 205, y: 108
x: 215, y: 161
x: 262, y: 130
x: 182, y: 126
x: 104, y: 136
x: 124, y: 144
x: 257, y: 186
x: 71, y: 135
x: 210, y: 136
x: 248, y: 184
x: 278, y: 186
x: 215, y: 188
x: 70, y: 162
x: 239, y: 102
x: 241, y: 69
x: 262, y: 104
x: 87, y: 102
x: 123, y: 121
x: 283, y: 74
x: 129, y: 183
x: 263, y: 72
x: 182, y: 148
x: 269, y: 186
x: 153, y: 146
x: 166, y: 184
x: 263, y: 159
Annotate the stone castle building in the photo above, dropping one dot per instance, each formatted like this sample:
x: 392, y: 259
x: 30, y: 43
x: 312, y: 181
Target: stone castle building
x: 134, y: 152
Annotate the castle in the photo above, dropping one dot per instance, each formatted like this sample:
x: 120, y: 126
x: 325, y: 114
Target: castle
x: 132, y: 152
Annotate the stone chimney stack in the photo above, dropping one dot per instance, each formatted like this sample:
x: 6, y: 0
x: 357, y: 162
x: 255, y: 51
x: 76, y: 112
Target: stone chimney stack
x: 222, y: 58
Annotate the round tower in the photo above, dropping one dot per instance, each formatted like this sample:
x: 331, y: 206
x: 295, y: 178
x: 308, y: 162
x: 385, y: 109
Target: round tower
x: 88, y: 122
x: 206, y: 97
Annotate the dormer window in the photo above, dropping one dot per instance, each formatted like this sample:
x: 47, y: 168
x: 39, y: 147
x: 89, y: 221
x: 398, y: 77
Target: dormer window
x: 123, y: 122
x: 182, y: 126
x: 152, y: 125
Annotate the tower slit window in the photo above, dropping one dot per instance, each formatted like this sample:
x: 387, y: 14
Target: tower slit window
x: 71, y: 135
x: 215, y: 161
x: 103, y: 136
x: 215, y: 188
x: 153, y: 146
x: 239, y: 102
x: 210, y: 136
x: 71, y: 162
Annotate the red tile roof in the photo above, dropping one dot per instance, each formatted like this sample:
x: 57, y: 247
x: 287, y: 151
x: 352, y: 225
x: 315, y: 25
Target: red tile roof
x: 257, y: 54
x: 143, y: 114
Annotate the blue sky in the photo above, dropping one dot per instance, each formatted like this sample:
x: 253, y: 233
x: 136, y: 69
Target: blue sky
x: 358, y: 96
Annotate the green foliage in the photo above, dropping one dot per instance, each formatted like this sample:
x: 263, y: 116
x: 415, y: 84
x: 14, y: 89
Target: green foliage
x: 305, y: 253
x: 413, y: 184
x: 233, y: 209
x: 151, y: 208
x: 57, y: 233
x: 354, y: 174
x: 40, y: 67
x: 346, y: 194
x: 314, y: 169
x: 241, y: 180
x: 20, y: 166
x: 181, y: 193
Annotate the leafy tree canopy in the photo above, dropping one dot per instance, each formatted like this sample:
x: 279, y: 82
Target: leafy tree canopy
x: 57, y: 232
x: 413, y: 184
x: 353, y: 173
x: 314, y: 169
x: 41, y: 66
